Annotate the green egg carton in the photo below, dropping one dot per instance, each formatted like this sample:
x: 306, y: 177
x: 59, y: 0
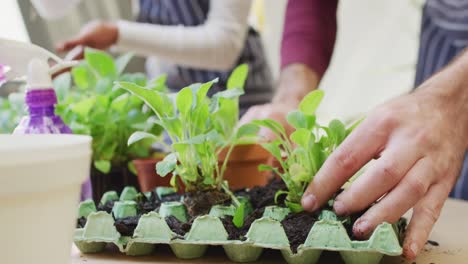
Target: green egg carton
x: 327, y: 234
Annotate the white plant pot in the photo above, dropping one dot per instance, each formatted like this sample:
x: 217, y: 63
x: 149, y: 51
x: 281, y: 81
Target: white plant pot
x: 40, y: 180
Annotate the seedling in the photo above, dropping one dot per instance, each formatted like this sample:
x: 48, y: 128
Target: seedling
x: 199, y: 128
x: 305, y: 150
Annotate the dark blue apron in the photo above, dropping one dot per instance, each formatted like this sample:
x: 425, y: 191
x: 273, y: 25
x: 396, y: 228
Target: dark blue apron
x: 444, y: 34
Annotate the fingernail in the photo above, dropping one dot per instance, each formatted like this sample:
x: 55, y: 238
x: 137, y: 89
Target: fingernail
x: 339, y: 208
x: 361, y: 228
x: 414, y: 248
x: 308, y: 202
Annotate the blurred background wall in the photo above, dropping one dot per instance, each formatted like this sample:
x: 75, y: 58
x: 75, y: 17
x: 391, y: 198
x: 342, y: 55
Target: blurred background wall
x: 374, y: 57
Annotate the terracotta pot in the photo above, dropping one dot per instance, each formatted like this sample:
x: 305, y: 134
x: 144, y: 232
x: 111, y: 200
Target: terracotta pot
x: 147, y: 177
x: 242, y: 169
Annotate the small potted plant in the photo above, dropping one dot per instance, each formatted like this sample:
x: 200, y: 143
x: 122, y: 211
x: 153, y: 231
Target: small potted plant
x: 239, y: 163
x: 91, y: 105
x: 200, y: 129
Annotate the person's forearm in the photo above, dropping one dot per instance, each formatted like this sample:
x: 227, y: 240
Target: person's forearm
x: 450, y: 87
x: 295, y: 82
x: 309, y: 34
x: 214, y: 45
x: 307, y: 46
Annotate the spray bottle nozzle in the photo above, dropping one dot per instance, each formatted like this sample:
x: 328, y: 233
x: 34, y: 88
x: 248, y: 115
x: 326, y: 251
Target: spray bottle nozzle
x: 17, y: 56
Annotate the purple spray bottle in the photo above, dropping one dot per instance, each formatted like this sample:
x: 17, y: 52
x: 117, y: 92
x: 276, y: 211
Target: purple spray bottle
x: 40, y: 101
x: 16, y: 59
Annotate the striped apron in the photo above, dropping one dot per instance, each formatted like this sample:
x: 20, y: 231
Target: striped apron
x: 259, y: 86
x: 444, y: 34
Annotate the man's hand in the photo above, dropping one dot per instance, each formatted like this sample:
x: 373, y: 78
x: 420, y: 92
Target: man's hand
x: 98, y: 35
x: 296, y: 81
x: 419, y: 141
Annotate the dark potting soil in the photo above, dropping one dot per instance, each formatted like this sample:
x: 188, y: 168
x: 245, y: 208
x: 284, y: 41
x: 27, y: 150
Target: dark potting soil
x: 348, y: 225
x: 81, y: 222
x: 297, y: 227
x: 107, y: 207
x: 236, y: 233
x: 432, y: 243
x: 126, y: 226
x: 178, y: 227
x: 200, y: 202
x: 264, y: 196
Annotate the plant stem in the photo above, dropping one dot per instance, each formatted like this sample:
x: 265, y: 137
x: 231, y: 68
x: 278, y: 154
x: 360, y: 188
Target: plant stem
x: 226, y: 159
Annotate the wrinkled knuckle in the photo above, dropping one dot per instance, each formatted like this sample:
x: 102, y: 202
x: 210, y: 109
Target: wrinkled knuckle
x: 345, y: 160
x: 386, y: 118
x: 432, y: 214
x: 424, y: 137
x: 417, y: 186
x: 390, y: 171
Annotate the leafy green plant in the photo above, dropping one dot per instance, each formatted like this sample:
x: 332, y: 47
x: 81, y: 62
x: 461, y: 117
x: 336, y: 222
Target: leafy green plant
x: 90, y: 104
x: 302, y: 153
x: 199, y: 127
x: 11, y: 111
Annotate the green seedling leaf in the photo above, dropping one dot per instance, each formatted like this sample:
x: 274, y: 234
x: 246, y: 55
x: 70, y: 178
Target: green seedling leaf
x: 297, y: 119
x: 131, y: 168
x: 103, y: 166
x: 294, y: 207
x: 247, y: 130
x: 120, y: 103
x: 83, y: 77
x: 101, y: 63
x: 239, y: 214
x: 302, y: 137
x: 167, y: 165
x: 273, y: 125
x: 274, y: 149
x: 136, y: 78
x: 229, y: 94
x: 140, y: 135
x: 338, y: 131
x: 83, y: 108
x: 122, y: 62
x: 159, y: 102
x: 265, y: 167
x: 184, y: 101
x: 311, y: 102
x: 354, y: 125
x: 278, y: 194
x: 158, y: 83
x: 238, y: 77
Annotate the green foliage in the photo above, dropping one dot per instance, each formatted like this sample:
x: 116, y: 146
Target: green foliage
x: 303, y: 153
x: 199, y: 127
x: 11, y: 111
x: 110, y: 115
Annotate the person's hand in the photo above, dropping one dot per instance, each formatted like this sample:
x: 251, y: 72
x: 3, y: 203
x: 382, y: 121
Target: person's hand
x: 419, y: 141
x: 96, y: 34
x: 295, y: 82
x: 276, y: 111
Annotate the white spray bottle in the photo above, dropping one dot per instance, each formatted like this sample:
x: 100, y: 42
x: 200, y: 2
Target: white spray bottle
x: 23, y: 59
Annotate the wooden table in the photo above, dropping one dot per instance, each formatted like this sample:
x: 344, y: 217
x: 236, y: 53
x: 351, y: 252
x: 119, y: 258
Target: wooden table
x: 451, y: 232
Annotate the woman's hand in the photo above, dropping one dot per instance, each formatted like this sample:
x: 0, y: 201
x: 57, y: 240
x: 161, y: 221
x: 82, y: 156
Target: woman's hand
x: 96, y: 34
x: 419, y: 141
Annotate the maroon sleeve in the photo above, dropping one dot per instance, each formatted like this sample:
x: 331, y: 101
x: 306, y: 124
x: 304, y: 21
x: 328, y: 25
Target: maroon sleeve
x: 309, y: 33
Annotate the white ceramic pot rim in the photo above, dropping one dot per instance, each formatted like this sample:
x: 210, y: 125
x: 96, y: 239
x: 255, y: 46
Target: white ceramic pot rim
x: 32, y: 164
x: 17, y: 150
